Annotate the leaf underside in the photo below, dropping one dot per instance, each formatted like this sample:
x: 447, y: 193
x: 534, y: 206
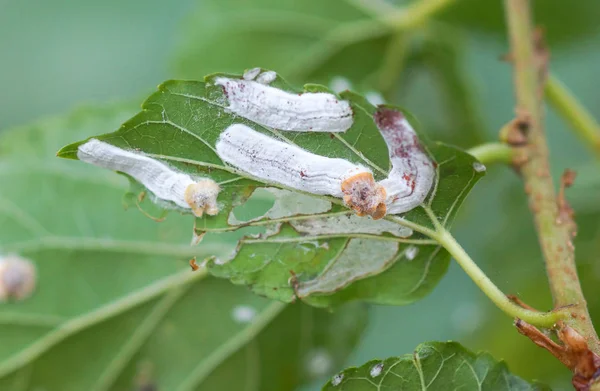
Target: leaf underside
x: 115, y: 297
x: 180, y: 125
x: 443, y: 366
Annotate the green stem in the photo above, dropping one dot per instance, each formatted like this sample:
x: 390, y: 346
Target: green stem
x: 580, y: 120
x: 490, y: 153
x: 555, y: 229
x: 445, y: 238
x: 539, y: 319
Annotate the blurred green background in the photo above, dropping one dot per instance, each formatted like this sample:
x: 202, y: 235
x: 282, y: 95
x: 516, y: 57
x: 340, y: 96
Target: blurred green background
x: 57, y: 55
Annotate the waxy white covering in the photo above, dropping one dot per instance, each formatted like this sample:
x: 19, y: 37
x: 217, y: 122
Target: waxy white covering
x: 278, y: 109
x: 162, y: 181
x: 276, y: 161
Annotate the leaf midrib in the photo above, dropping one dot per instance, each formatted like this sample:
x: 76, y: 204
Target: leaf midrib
x: 231, y: 346
x: 105, y: 312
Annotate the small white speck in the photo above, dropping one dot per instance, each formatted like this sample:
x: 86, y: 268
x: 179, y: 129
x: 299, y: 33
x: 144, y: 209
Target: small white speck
x: 337, y: 379
x: 251, y: 74
x: 318, y: 362
x: 478, y: 167
x: 376, y: 370
x: 375, y: 98
x: 267, y: 77
x: 411, y: 252
x: 243, y: 314
x: 339, y: 84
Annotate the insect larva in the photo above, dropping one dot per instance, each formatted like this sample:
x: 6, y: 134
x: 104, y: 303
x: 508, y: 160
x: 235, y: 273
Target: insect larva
x: 413, y: 173
x: 278, y: 162
x: 163, y: 182
x: 278, y: 109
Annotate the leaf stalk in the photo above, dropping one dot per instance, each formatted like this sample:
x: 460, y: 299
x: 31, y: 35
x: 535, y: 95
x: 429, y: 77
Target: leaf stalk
x: 490, y: 153
x: 537, y: 318
x: 579, y: 119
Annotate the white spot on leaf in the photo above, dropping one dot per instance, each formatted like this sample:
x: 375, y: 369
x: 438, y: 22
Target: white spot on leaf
x: 275, y: 108
x: 267, y: 77
x: 411, y: 252
x: 337, y: 379
x: 479, y: 167
x: 376, y: 370
x: 243, y: 314
x: 18, y: 278
x: 251, y: 74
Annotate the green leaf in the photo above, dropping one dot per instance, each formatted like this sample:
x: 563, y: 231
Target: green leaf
x: 563, y: 23
x: 342, y: 44
x: 442, y: 52
x: 433, y: 366
x: 317, y: 40
x: 305, y: 40
x: 115, y: 297
x: 180, y: 125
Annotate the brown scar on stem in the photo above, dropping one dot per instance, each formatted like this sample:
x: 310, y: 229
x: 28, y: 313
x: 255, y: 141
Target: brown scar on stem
x: 566, y: 214
x: 295, y: 283
x: 515, y: 299
x: 516, y: 135
x: 364, y: 196
x: 193, y: 264
x: 573, y: 352
x: 542, y: 58
x: 516, y: 132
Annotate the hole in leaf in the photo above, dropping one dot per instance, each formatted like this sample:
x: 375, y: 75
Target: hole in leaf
x: 259, y: 203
